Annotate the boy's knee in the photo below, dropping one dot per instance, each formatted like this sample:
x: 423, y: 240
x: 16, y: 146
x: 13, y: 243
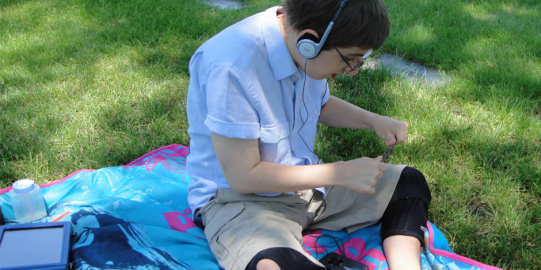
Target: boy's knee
x: 267, y: 264
x: 412, y: 184
x: 285, y: 258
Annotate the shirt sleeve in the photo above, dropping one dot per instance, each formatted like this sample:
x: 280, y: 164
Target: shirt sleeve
x: 231, y: 111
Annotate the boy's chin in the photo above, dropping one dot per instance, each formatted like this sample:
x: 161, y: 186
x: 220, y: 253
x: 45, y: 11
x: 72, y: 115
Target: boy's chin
x: 320, y: 77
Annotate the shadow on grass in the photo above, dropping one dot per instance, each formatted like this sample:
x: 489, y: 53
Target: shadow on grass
x: 24, y: 136
x: 58, y: 63
x: 516, y: 159
x: 8, y: 3
x: 141, y: 127
x: 363, y: 90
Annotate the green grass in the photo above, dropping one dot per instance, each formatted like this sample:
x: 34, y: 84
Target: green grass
x: 98, y: 83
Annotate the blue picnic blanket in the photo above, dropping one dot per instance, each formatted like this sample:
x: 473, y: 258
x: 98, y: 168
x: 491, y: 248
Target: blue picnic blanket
x: 137, y: 217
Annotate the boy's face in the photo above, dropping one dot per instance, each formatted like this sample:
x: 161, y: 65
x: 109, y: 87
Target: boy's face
x: 329, y: 64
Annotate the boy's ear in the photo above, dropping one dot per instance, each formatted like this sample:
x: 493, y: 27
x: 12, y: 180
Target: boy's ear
x: 309, y: 34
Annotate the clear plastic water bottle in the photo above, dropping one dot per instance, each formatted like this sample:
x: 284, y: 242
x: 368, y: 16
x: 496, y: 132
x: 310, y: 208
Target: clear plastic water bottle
x: 27, y: 201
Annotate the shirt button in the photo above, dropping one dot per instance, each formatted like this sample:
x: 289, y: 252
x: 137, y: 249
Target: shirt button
x: 278, y: 134
x: 296, y: 151
x: 315, y: 112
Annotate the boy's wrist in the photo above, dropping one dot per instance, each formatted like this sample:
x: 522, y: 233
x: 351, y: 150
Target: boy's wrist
x: 341, y: 167
x: 372, y: 119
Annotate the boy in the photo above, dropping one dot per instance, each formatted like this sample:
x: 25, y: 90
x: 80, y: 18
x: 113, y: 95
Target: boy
x: 257, y: 91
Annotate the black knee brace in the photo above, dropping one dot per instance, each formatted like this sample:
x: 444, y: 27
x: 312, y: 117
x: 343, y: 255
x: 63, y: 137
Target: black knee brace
x: 286, y: 258
x: 407, y: 212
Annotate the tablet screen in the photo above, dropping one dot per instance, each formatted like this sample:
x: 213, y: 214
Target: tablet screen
x: 32, y: 246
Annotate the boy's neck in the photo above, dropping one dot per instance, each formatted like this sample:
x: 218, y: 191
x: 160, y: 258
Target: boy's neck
x: 290, y: 37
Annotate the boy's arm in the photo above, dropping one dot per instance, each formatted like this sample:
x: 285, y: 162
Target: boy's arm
x: 339, y: 113
x: 246, y: 173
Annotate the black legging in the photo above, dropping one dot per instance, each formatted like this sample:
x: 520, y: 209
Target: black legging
x: 407, y: 212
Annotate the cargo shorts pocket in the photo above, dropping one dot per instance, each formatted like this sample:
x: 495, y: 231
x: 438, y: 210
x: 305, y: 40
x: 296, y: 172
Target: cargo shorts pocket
x: 219, y: 215
x: 228, y: 231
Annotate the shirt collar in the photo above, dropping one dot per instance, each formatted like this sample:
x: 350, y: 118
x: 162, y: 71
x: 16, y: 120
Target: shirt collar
x: 280, y: 60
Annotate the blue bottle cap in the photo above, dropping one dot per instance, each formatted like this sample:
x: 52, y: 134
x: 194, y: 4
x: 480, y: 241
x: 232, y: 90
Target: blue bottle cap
x: 23, y: 186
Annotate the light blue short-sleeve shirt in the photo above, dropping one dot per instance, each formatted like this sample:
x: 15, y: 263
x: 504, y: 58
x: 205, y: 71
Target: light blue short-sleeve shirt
x: 244, y: 84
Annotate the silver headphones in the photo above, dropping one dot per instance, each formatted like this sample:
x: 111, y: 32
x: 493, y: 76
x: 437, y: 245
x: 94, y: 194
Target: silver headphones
x: 309, y: 46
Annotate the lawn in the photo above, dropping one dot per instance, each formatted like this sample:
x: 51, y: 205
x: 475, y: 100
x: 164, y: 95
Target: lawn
x: 97, y: 83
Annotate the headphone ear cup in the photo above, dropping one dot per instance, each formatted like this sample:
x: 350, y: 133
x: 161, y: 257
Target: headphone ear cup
x: 307, y: 46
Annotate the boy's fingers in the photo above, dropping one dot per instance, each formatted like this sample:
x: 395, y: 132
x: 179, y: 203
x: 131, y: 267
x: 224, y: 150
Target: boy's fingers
x: 401, y: 136
x: 382, y: 167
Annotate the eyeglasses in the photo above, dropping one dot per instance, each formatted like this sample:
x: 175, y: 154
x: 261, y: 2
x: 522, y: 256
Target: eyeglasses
x: 358, y: 59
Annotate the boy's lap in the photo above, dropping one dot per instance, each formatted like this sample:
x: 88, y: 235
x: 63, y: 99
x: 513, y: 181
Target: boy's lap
x: 237, y: 231
x: 238, y: 226
x: 348, y: 209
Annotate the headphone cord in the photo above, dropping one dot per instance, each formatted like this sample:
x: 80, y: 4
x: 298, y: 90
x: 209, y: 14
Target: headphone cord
x: 319, y: 161
x: 307, y: 113
x: 339, y: 243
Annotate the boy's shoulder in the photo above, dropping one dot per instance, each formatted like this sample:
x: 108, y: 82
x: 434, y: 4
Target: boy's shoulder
x: 238, y: 43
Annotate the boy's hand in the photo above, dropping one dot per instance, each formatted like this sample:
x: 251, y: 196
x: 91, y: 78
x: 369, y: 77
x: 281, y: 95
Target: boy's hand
x: 390, y: 130
x: 362, y: 174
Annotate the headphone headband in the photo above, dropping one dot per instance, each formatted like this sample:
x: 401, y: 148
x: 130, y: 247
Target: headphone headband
x: 309, y: 46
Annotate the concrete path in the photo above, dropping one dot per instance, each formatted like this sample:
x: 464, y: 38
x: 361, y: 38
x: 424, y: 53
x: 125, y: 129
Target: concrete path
x: 411, y: 71
x: 225, y: 4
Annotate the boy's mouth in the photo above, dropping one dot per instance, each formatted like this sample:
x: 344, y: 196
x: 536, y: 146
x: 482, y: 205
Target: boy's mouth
x: 333, y: 76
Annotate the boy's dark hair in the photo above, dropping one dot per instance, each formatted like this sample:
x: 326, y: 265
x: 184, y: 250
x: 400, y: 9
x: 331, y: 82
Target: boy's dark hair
x: 361, y: 23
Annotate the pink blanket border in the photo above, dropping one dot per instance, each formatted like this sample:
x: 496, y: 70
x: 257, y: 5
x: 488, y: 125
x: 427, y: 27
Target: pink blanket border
x: 455, y: 256
x: 173, y: 147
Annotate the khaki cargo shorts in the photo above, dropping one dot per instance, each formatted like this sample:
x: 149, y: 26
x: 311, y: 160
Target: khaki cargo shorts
x: 238, y: 226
